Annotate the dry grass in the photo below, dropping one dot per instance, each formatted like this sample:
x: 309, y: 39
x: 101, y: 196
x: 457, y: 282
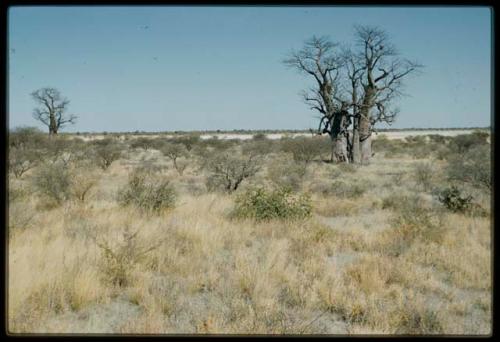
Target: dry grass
x: 193, y: 269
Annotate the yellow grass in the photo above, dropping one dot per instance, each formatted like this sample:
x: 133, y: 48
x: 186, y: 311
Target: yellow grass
x: 329, y: 274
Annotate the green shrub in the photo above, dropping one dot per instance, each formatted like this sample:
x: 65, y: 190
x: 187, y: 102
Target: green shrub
x: 147, y: 193
x: 453, y: 199
x: 260, y: 205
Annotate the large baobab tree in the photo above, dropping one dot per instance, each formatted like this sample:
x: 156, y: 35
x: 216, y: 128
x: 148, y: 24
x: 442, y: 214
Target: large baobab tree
x: 319, y: 59
x: 51, y: 110
x: 382, y: 72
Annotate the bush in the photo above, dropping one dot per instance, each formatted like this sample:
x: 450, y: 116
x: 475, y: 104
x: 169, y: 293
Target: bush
x: 285, y: 173
x: 473, y: 167
x: 174, y: 152
x: 120, y: 257
x: 21, y: 160
x: 143, y: 142
x: 26, y: 137
x: 424, y: 175
x: 228, y: 171
x: 147, y: 193
x: 260, y: 205
x: 82, y: 181
x: 106, y: 152
x: 416, y: 221
x: 453, y: 200
x: 53, y: 180
x: 303, y: 149
x: 464, y: 142
x: 258, y: 147
x: 345, y: 190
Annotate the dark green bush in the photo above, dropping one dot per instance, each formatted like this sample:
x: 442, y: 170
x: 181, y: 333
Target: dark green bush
x: 453, y: 199
x: 261, y: 205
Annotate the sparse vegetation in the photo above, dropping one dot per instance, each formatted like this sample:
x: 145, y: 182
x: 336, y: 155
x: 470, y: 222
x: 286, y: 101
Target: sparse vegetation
x: 285, y: 247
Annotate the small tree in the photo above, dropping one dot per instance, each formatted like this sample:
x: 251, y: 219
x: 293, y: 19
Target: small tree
x: 106, y: 152
x: 22, y: 160
x: 174, y: 152
x: 51, y: 111
x: 228, y: 170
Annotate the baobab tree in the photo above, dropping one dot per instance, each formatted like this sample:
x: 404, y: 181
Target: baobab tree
x: 319, y: 58
x: 353, y: 87
x: 51, y: 111
x: 381, y: 75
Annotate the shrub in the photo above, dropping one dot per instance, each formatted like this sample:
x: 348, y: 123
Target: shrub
x: 259, y: 136
x: 464, y: 142
x: 53, y: 180
x: 21, y: 160
x: 147, y: 193
x: 174, y: 152
x: 26, y: 137
x: 119, y: 258
x: 143, y: 142
x: 303, y: 149
x: 257, y: 147
x: 260, y: 205
x: 228, y: 171
x: 453, y: 199
x: 473, y: 167
x: 81, y: 183
x: 106, y: 152
x: 346, y: 190
x: 285, y: 173
x: 424, y: 175
x: 416, y: 221
x: 189, y: 141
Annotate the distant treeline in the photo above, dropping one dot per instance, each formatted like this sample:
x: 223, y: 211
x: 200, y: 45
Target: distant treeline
x: 269, y: 131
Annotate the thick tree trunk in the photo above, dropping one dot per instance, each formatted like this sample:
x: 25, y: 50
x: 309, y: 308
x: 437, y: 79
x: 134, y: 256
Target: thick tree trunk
x: 356, y: 152
x: 52, y: 125
x: 340, y: 153
x: 365, y: 130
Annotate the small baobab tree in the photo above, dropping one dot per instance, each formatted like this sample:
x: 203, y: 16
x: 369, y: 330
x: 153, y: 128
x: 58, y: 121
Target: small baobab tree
x: 52, y: 109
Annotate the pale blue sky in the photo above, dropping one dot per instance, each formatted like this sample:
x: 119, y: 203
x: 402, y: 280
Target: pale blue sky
x: 205, y: 68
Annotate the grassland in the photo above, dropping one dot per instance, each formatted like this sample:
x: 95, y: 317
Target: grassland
x: 379, y: 254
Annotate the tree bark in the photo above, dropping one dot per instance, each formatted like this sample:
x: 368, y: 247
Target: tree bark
x: 52, y: 125
x: 356, y: 151
x: 365, y: 129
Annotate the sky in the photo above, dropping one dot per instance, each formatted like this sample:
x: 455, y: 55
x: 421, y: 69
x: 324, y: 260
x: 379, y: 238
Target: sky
x: 167, y: 68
